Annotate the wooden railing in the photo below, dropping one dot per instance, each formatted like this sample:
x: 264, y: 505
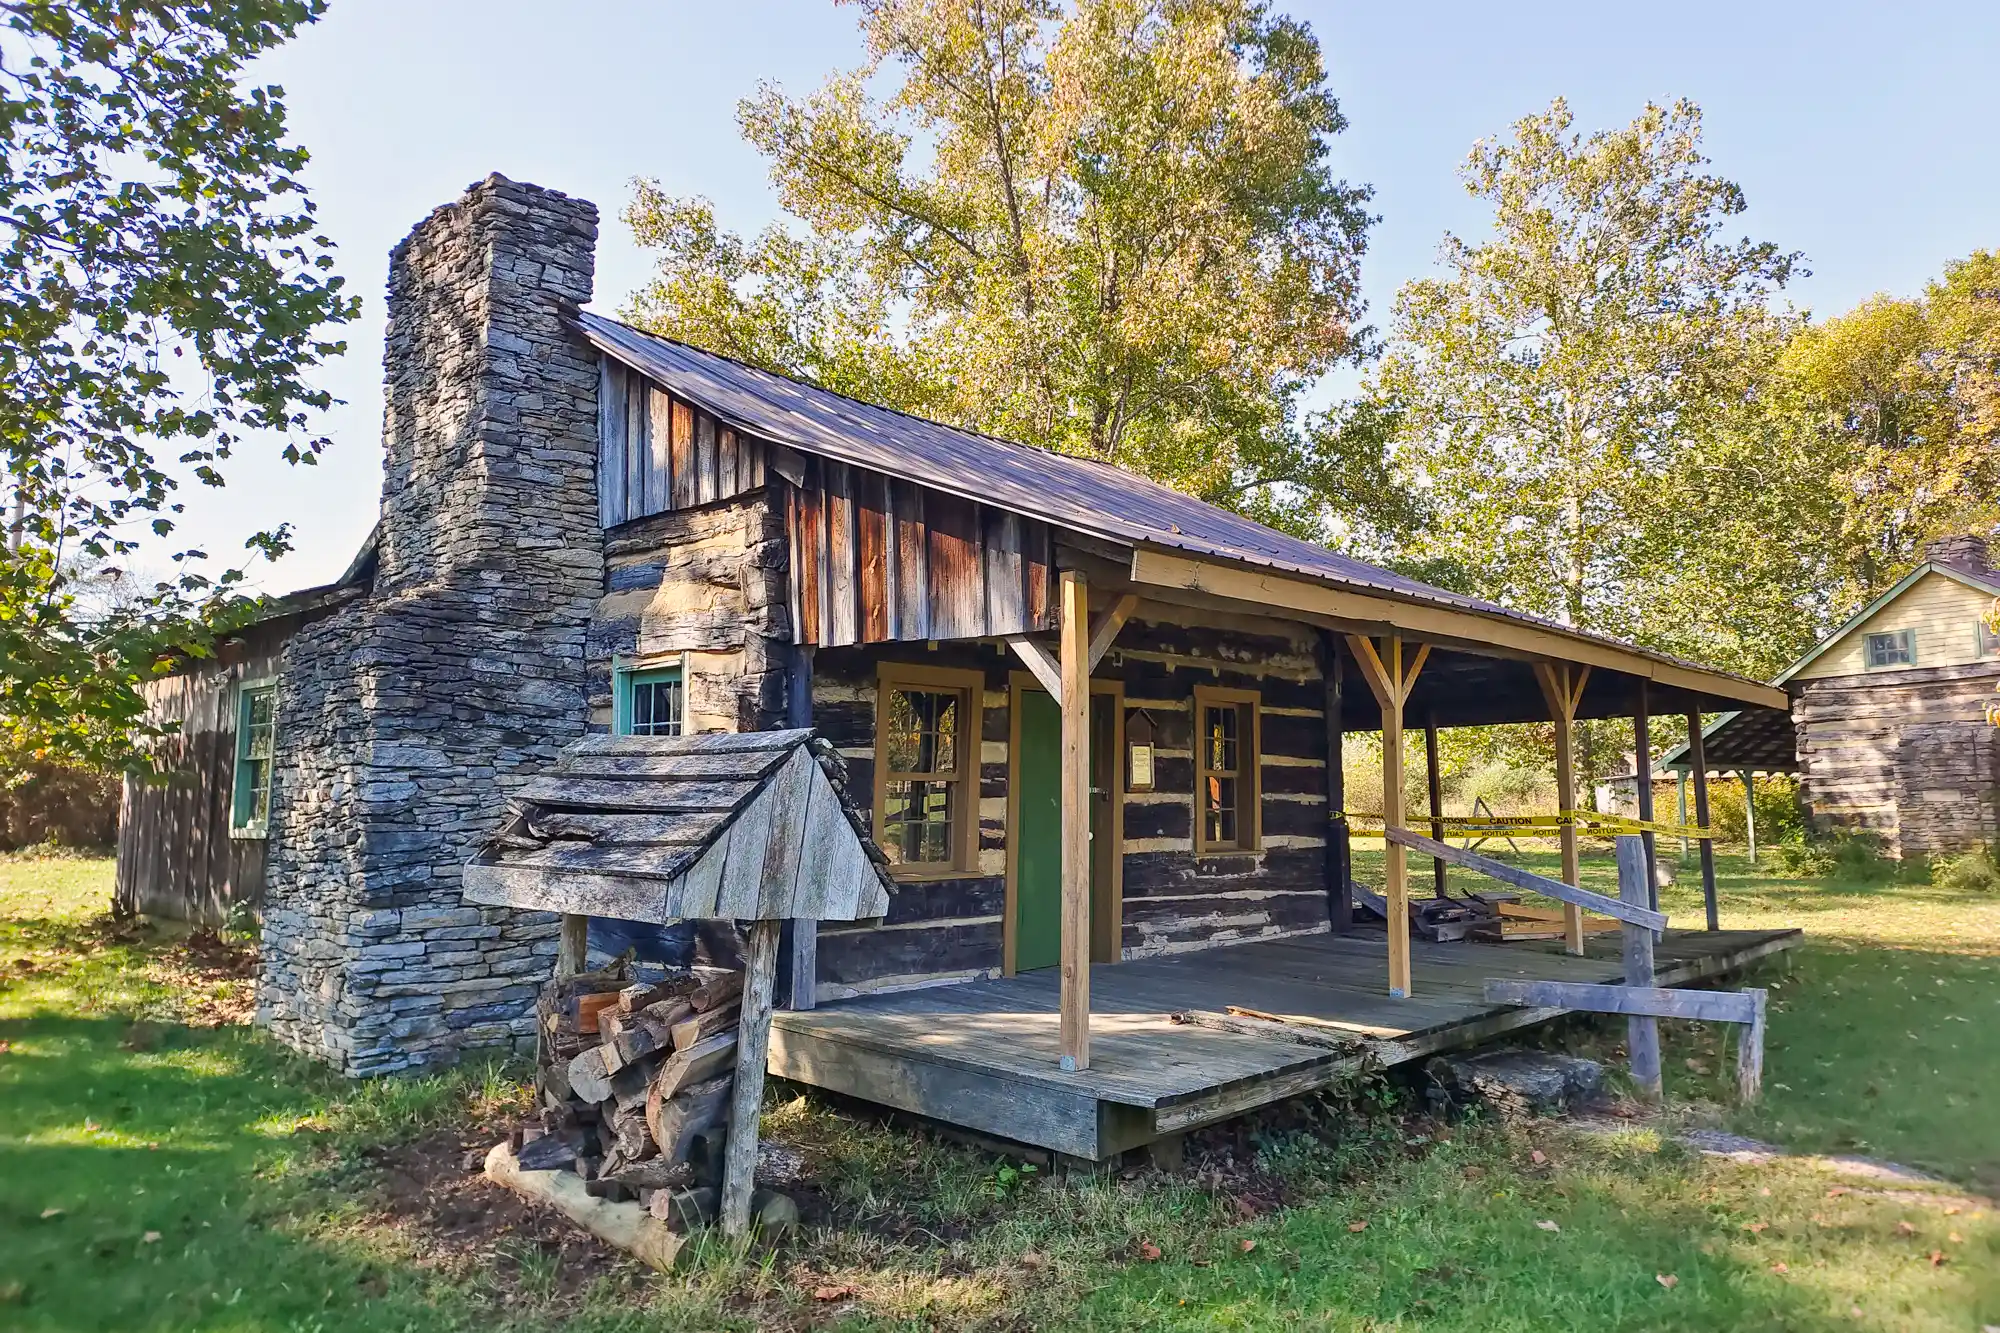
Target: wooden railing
x: 1635, y: 914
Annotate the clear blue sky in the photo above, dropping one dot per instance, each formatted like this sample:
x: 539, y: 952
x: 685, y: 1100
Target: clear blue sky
x: 1863, y: 133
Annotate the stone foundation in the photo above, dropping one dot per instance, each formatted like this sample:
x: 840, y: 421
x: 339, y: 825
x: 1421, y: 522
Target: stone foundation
x: 404, y: 720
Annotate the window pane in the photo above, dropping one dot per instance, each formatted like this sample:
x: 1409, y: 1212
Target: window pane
x: 656, y: 707
x: 917, y: 822
x: 921, y: 731
x: 1219, y: 811
x: 1221, y: 732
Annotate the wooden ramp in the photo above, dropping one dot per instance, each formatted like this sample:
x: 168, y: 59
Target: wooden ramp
x: 982, y: 1055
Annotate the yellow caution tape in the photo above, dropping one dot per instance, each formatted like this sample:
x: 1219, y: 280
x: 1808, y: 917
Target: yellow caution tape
x: 1541, y: 825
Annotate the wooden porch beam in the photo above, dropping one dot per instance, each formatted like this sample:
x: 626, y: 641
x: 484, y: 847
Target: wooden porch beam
x: 1698, y: 766
x: 1105, y: 628
x: 1434, y: 783
x: 1562, y: 686
x: 1074, y: 695
x: 1391, y: 682
x: 1036, y: 656
x: 1642, y: 770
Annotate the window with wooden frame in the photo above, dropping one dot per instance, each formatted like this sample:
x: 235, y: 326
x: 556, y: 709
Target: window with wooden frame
x: 1988, y: 639
x: 256, y: 743
x: 1893, y: 649
x: 927, y: 724
x: 648, y: 701
x: 1226, y: 788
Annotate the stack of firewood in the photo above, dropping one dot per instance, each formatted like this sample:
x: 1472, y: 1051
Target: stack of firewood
x: 634, y: 1082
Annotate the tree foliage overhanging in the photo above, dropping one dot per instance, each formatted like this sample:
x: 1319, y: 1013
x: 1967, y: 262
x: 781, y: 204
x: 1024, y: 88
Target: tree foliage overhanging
x: 164, y: 295
x: 1111, y: 230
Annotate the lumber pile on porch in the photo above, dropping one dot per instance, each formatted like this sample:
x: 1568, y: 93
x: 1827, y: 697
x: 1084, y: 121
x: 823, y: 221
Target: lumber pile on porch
x: 633, y: 1084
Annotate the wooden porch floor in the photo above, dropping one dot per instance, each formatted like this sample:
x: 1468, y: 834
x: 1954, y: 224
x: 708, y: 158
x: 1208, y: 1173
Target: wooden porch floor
x: 982, y: 1055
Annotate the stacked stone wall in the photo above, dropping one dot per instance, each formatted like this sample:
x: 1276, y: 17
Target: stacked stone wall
x: 404, y: 720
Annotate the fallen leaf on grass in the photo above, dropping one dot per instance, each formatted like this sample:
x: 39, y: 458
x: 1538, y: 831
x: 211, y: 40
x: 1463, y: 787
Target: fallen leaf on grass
x: 1033, y: 1259
x: 1781, y: 1268
x: 1954, y: 1238
x: 1361, y: 1225
x: 150, y: 1238
x: 1939, y: 1258
x: 1756, y: 1228
x: 1547, y: 1225
x: 1905, y: 1229
x: 11, y: 1293
x: 1538, y: 1157
x: 6, y: 1046
x: 1667, y: 1280
x: 1246, y: 1245
x: 1149, y: 1251
x: 48, y: 1213
x: 1695, y: 1066
x: 1952, y: 1210
x: 1837, y: 1191
x: 839, y: 1293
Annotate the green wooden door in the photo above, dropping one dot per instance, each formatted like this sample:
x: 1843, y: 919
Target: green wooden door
x: 1038, y: 841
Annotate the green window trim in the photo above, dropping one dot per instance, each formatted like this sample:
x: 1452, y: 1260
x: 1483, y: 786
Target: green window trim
x: 648, y: 700
x: 256, y: 745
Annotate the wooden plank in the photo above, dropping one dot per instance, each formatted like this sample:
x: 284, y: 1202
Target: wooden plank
x: 746, y: 1099
x: 638, y: 862
x: 728, y: 465
x: 619, y: 896
x: 1339, y: 863
x: 680, y: 451
x: 713, y: 743
x: 735, y: 765
x: 706, y: 490
x: 805, y: 580
x: 1707, y: 1006
x: 913, y: 597
x: 784, y: 865
x: 634, y: 797
x: 957, y: 571
x: 875, y: 568
x: 1556, y: 682
x: 1075, y: 1001
x: 1750, y: 1050
x: 1006, y: 604
x: 842, y: 581
x: 659, y: 451
x: 1104, y: 630
x: 1642, y: 1034
x: 638, y: 450
x: 1525, y: 879
x: 747, y: 846
x: 611, y: 443
x: 1037, y: 574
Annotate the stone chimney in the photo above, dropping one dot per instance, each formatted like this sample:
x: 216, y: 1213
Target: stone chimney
x: 405, y: 719
x: 1967, y: 550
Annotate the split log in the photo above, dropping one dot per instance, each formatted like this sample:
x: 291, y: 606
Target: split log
x: 590, y: 1008
x: 674, y: 1121
x: 589, y: 1080
x: 656, y: 1173
x: 625, y: 1225
x: 684, y: 1209
x: 716, y: 990
x: 699, y: 1028
x: 696, y: 1064
x: 550, y: 1152
x: 630, y: 1038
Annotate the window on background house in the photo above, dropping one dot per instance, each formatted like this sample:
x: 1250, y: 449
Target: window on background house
x: 1989, y: 640
x: 648, y: 701
x: 1226, y: 771
x: 1893, y: 649
x: 256, y: 737
x: 927, y: 756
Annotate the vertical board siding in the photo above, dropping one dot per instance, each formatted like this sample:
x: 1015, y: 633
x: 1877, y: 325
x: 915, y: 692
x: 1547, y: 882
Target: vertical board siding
x: 878, y: 559
x: 657, y: 453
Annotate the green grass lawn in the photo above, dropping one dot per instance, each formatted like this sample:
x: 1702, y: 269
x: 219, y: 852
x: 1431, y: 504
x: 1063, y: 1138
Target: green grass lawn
x: 164, y: 1168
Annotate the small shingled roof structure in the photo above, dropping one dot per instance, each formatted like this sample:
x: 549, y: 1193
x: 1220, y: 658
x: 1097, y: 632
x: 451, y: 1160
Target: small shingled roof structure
x: 1752, y: 740
x: 749, y: 826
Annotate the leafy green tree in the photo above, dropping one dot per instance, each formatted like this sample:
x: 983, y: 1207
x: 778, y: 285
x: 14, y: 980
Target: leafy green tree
x: 1111, y: 229
x: 163, y: 295
x: 1559, y: 381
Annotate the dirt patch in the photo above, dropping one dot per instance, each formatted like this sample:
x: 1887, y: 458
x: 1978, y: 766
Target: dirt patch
x: 431, y: 1191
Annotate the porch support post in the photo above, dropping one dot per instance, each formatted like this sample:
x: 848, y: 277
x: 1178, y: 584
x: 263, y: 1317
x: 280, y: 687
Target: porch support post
x: 1074, y: 631
x: 1435, y: 781
x: 1681, y: 786
x: 572, y: 950
x: 800, y: 946
x: 1750, y: 811
x: 1391, y: 682
x: 1562, y: 687
x: 1698, y: 766
x: 1339, y: 862
x: 1642, y: 770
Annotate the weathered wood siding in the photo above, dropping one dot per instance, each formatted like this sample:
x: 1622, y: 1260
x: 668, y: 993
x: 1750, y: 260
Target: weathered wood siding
x: 709, y: 583
x: 879, y: 559
x: 176, y: 858
x: 657, y: 453
x: 1909, y: 754
x: 1173, y: 900
x: 1945, y: 615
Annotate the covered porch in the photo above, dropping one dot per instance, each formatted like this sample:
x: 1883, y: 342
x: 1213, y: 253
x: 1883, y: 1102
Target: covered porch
x: 1185, y: 1040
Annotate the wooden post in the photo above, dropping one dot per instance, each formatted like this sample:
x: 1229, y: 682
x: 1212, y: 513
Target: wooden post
x: 1698, y: 766
x: 573, y: 949
x: 1642, y: 772
x: 1435, y: 781
x: 1642, y: 1035
x: 746, y: 1098
x: 1339, y: 855
x: 1562, y: 688
x: 1750, y: 1050
x: 1391, y: 682
x: 1075, y: 803
x: 1750, y: 811
x: 801, y: 946
x: 1681, y: 786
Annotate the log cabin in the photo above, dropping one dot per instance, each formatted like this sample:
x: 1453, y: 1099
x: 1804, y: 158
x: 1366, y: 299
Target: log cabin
x: 1894, y: 725
x: 1092, y: 725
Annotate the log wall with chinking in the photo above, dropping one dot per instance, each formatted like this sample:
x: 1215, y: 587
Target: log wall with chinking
x: 948, y: 929
x: 1910, y: 755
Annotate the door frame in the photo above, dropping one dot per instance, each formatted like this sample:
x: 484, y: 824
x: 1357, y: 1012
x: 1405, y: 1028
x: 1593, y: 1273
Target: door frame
x: 1109, y: 897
